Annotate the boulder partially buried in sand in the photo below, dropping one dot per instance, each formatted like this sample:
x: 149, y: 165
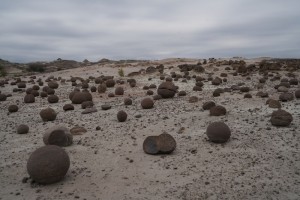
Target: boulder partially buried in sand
x: 58, y: 135
x: 281, y: 118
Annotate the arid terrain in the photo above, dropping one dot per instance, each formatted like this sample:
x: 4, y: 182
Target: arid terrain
x: 107, y: 161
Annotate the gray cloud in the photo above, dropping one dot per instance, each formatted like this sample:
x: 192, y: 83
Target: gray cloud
x: 137, y: 29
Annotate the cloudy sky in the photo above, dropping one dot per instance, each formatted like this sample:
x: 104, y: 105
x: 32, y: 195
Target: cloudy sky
x: 33, y: 30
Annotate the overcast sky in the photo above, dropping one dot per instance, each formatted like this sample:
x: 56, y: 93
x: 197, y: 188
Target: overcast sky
x: 33, y: 30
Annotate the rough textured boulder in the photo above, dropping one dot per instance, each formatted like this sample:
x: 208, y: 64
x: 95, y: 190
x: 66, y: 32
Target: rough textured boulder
x: 53, y: 84
x: 286, y: 96
x: 122, y: 116
x: 80, y: 97
x: 273, y: 103
x: 3, y: 97
x: 127, y: 101
x: 297, y: 94
x: 41, y: 171
x: 218, y: 132
x: 21, y: 85
x: 87, y: 104
x: 166, y: 89
x: 53, y: 98
x: 13, y: 108
x: 29, y: 98
x: 58, y: 135
x: 68, y: 107
x: 208, y: 105
x: 281, y: 118
x: 110, y: 83
x: 102, y: 88
x: 147, y: 103
x: 119, y: 91
x: 48, y: 114
x: 162, y: 144
x: 217, y: 111
x: 22, y: 129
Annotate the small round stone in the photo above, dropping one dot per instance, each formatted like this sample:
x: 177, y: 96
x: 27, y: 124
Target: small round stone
x: 53, y: 98
x: 3, y: 97
x: 208, y: 105
x: 22, y: 129
x: 150, y: 145
x: 166, y: 143
x: 281, y: 118
x: 147, y: 103
x: 48, y: 164
x: 127, y: 101
x: 13, y: 108
x: 218, y: 132
x: 217, y: 111
x: 48, y: 114
x: 119, y: 91
x: 29, y: 98
x: 122, y: 116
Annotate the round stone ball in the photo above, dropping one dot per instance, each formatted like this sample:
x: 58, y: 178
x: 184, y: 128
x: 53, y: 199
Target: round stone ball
x: 3, y: 97
x: 29, y: 98
x: 147, y: 103
x: 217, y: 111
x: 48, y: 114
x: 110, y: 83
x: 48, y: 164
x: 53, y: 84
x: 127, y: 101
x: 68, y: 107
x: 93, y: 88
x: 53, y: 98
x: 281, y: 118
x: 13, y: 108
x: 22, y: 129
x: 102, y: 88
x: 218, y: 132
x: 119, y: 91
x: 122, y: 116
x: 166, y: 89
x: 58, y: 135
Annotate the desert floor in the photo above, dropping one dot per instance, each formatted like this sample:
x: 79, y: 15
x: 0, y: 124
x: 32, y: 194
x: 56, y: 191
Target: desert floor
x: 260, y: 161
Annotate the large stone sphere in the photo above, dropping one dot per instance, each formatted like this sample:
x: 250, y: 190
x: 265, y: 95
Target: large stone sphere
x: 218, y: 132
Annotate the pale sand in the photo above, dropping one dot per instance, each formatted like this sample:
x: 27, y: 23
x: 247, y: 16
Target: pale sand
x: 256, y: 163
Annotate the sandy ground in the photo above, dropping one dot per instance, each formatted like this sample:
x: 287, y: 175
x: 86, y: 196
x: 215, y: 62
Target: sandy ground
x: 260, y: 161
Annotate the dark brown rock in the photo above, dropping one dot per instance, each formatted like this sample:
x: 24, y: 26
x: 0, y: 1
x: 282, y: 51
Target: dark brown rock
x: 119, y: 91
x: 13, y: 108
x: 208, y: 105
x: 58, y: 135
x: 122, y: 116
x: 147, y: 103
x: 87, y: 104
x: 193, y: 99
x: 102, y: 88
x: 53, y: 98
x: 286, y: 97
x: 53, y: 84
x: 80, y: 97
x: 218, y: 132
x: 22, y: 129
x: 68, y: 107
x: 110, y: 83
x: 48, y: 114
x: 281, y: 118
x: 166, y: 90
x: 29, y: 98
x: 41, y: 171
x: 217, y: 111
x: 3, y: 97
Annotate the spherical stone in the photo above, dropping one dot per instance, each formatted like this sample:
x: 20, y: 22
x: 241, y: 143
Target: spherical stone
x: 182, y: 93
x: 208, y: 105
x: 110, y: 83
x: 157, y: 97
x: 150, y: 145
x: 244, y: 89
x: 68, y: 107
x: 127, y: 101
x: 53, y: 84
x: 84, y: 85
x: 35, y: 93
x: 132, y: 84
x: 53, y: 98
x: 21, y: 85
x: 87, y: 104
x: 282, y: 89
x: 153, y: 86
x: 29, y: 98
x: 216, y: 93
x: 28, y: 90
x: 44, y: 94
x: 169, y: 79
x: 218, y: 132
x: 119, y: 91
x: 166, y: 143
x: 281, y: 118
x: 3, y: 97
x: 93, y: 89
x: 48, y: 164
x: 166, y: 89
x: 193, y: 99
x: 147, y: 103
x: 35, y: 87
x: 48, y: 114
x: 297, y: 94
x: 286, y: 96
x: 217, y: 111
x: 22, y: 129
x: 247, y: 96
x: 79, y: 97
x: 122, y: 116
x: 58, y: 135
x: 199, y: 84
x: 102, y: 88
x: 13, y: 108
x: 197, y: 88
x: 150, y: 92
x: 50, y: 91
x: 273, y: 103
x: 216, y: 81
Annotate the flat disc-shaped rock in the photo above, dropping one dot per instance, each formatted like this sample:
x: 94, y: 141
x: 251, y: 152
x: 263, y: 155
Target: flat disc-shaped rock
x: 48, y: 164
x: 150, y: 145
x: 166, y: 143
